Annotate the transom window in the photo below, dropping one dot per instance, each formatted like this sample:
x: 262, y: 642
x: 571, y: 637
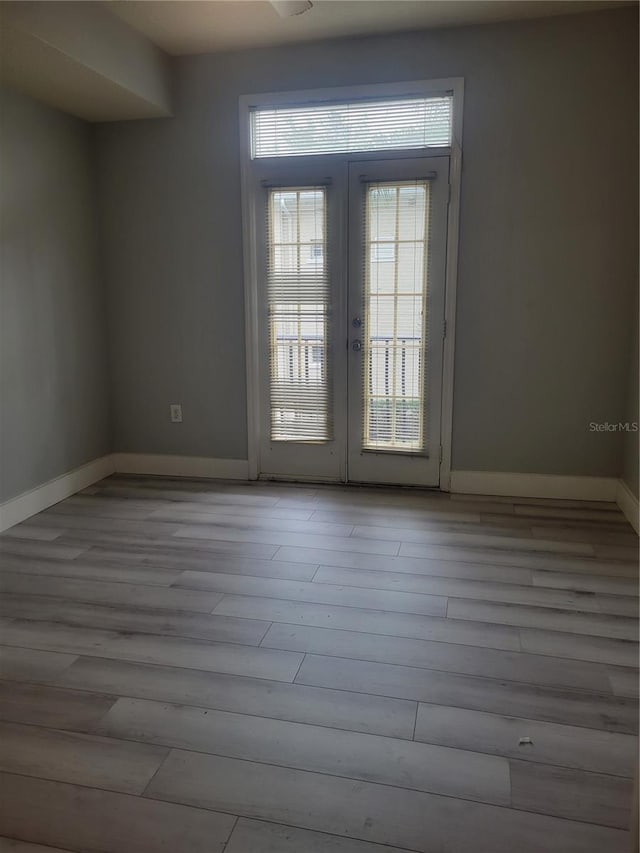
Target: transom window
x: 358, y: 125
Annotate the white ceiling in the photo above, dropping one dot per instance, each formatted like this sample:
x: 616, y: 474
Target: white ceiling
x: 107, y: 61
x: 81, y: 59
x: 184, y: 26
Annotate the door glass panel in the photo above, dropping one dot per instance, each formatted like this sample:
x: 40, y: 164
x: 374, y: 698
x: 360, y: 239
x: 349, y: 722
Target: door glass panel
x: 298, y: 311
x: 395, y: 321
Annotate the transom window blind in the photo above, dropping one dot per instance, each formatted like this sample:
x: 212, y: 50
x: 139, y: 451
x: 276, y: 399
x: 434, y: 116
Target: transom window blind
x: 333, y: 128
x: 298, y: 313
x: 395, y: 314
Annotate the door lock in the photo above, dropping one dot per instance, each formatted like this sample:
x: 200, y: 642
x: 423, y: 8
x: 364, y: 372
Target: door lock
x: 356, y: 346
x: 356, y: 322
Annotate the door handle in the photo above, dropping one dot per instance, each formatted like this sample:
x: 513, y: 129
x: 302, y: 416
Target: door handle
x: 356, y: 345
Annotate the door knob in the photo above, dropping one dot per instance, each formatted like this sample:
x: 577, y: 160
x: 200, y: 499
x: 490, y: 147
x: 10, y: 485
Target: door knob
x: 356, y: 322
x: 356, y: 346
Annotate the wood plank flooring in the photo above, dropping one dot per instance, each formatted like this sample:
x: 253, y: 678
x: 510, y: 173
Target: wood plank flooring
x: 190, y: 667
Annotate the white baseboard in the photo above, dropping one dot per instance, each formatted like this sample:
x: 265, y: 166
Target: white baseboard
x: 534, y: 485
x: 35, y: 500
x: 628, y: 503
x: 181, y: 466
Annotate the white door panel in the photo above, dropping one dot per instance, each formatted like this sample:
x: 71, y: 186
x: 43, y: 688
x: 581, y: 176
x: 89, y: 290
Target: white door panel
x: 397, y: 251
x: 301, y: 311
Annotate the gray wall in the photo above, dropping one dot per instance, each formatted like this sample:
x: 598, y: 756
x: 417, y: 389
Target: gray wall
x: 53, y: 415
x: 548, y: 243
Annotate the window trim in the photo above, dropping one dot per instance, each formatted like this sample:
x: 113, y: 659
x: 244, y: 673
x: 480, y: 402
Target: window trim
x: 253, y: 170
x: 339, y: 94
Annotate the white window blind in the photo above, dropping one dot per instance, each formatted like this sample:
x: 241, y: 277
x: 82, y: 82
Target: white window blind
x: 332, y: 128
x: 298, y: 309
x: 395, y: 311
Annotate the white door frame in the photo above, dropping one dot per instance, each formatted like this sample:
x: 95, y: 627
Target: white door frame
x: 249, y: 175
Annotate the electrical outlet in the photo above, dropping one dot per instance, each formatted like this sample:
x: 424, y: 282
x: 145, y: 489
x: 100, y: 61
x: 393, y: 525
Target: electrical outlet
x: 176, y: 413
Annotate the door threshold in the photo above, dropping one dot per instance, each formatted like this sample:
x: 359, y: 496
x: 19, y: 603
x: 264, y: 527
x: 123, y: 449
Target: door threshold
x: 354, y: 484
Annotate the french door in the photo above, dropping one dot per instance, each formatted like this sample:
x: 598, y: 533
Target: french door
x: 351, y: 271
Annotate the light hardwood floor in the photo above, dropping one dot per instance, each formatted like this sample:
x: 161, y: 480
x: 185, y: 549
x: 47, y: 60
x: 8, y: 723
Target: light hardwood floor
x: 196, y: 667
